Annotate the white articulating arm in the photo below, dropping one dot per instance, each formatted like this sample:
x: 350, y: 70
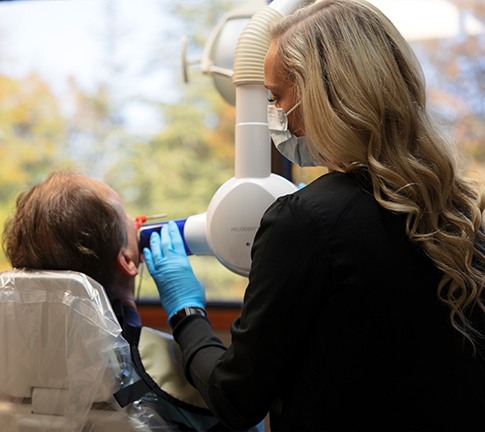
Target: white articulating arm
x: 233, y: 216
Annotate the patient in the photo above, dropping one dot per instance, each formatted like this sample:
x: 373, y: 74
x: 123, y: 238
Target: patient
x: 73, y: 222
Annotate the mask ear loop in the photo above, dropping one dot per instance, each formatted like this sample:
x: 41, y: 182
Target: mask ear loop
x: 293, y: 109
x: 278, y: 117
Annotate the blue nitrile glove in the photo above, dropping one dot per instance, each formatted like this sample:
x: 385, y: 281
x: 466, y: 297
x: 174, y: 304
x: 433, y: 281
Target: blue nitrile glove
x: 170, y: 268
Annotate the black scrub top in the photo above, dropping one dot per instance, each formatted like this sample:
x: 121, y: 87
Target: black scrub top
x: 341, y: 327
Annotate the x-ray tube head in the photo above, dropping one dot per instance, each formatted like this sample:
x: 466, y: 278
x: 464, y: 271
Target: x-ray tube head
x: 234, y: 215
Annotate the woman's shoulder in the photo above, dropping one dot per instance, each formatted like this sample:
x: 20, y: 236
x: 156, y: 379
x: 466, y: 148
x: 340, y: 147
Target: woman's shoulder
x: 324, y: 200
x: 336, y: 182
x: 337, y: 190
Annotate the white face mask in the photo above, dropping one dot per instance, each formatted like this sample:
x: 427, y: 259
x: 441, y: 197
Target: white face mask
x: 293, y: 148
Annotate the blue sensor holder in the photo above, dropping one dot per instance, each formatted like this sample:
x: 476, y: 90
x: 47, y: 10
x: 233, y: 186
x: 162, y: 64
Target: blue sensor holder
x: 146, y: 231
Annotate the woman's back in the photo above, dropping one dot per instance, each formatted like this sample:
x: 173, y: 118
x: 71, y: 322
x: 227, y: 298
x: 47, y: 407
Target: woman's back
x: 381, y: 352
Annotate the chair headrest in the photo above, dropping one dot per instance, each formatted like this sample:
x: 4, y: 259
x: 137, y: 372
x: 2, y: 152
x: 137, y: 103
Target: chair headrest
x: 58, y: 331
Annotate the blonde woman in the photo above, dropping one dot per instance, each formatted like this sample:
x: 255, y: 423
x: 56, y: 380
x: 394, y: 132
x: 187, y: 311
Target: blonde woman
x: 364, y: 308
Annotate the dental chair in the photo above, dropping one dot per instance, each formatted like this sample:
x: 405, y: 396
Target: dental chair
x: 62, y: 356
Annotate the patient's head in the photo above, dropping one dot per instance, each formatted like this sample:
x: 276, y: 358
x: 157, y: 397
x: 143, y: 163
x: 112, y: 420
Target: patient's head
x: 73, y: 222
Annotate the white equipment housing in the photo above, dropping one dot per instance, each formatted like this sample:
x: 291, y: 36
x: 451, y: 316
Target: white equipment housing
x: 228, y: 227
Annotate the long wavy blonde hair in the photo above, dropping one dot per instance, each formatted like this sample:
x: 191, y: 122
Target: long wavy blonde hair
x: 363, y: 96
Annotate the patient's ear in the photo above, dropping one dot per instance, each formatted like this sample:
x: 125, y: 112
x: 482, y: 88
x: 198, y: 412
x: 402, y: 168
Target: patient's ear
x: 125, y: 263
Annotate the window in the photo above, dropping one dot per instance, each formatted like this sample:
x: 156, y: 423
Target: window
x: 96, y: 86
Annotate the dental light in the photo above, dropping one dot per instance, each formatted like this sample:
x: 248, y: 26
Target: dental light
x: 227, y: 229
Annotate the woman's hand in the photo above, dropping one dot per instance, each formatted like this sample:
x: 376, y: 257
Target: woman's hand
x: 170, y: 268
